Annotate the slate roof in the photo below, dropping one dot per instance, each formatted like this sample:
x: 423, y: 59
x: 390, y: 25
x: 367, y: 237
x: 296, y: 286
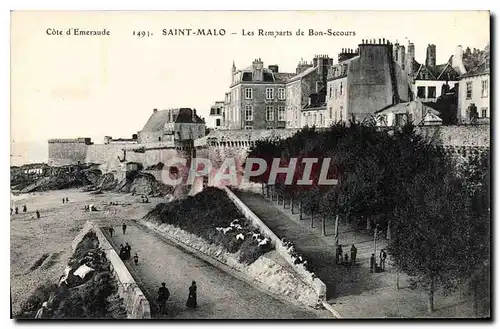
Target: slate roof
x: 478, y: 70
x: 158, y: 119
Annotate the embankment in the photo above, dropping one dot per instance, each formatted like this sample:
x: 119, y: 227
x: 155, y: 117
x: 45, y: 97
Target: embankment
x: 136, y: 304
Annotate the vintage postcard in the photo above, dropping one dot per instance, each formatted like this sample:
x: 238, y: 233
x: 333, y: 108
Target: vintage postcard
x: 250, y: 165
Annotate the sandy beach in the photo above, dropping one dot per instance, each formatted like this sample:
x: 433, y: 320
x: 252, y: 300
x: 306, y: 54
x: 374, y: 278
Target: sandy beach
x: 53, y: 233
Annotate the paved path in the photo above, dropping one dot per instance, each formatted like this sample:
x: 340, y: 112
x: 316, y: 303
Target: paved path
x: 354, y: 291
x: 220, y: 296
x: 340, y: 281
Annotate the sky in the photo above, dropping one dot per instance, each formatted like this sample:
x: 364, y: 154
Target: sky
x: 94, y: 86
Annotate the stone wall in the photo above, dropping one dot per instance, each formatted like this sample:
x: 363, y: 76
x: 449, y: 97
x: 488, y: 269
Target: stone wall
x: 308, y: 277
x: 67, y: 151
x: 135, y: 302
x: 265, y: 273
x: 463, y: 135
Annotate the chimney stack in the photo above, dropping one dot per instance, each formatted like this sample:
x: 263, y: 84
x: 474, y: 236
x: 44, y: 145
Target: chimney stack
x: 430, y: 60
x: 155, y: 110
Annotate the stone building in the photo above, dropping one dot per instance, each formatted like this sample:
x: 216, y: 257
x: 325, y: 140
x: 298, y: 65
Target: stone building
x: 66, y: 151
x: 172, y: 125
x: 257, y: 97
x: 304, y: 91
x: 474, y: 92
x: 430, y: 81
x: 366, y: 80
x: 216, y: 118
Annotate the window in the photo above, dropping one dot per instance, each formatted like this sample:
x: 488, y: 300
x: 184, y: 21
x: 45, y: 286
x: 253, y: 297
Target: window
x: 248, y: 93
x: 281, y: 93
x: 484, y: 112
x: 159, y: 139
x: 468, y: 92
x: 269, y: 93
x: 318, y: 86
x: 330, y: 92
x: 248, y: 113
x: 248, y: 127
x: 218, y: 111
x: 269, y: 113
x: 341, y: 88
x: 321, y: 119
x: 335, y: 93
x: 217, y: 123
x: 484, y: 88
x: 431, y: 92
x: 212, y: 111
x: 421, y: 92
x: 331, y: 113
x: 281, y: 113
x: 341, y: 110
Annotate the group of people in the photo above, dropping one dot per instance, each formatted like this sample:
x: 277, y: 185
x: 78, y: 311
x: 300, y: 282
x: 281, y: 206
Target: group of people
x: 373, y: 262
x: 65, y: 200
x: 164, y: 295
x: 25, y: 209
x: 341, y: 258
x: 144, y: 199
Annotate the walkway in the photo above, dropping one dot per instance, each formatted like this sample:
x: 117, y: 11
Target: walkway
x: 353, y: 291
x: 220, y: 296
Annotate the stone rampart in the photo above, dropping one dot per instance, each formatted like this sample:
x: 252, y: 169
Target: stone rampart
x: 136, y: 304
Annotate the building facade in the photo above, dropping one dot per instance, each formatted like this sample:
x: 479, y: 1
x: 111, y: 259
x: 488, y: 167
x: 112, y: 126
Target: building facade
x: 303, y: 91
x: 216, y: 117
x: 430, y: 81
x: 474, y: 93
x: 172, y: 125
x: 257, y: 97
x: 365, y: 81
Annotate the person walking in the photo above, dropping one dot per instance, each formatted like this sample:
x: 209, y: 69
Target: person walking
x: 338, y: 254
x: 372, y: 263
x: 124, y: 228
x: 111, y: 231
x: 67, y: 200
x: 136, y: 259
x: 17, y: 210
x: 11, y: 210
x: 25, y: 209
x: 63, y: 200
x: 122, y: 252
x: 37, y: 214
x: 346, y: 260
x: 127, y: 250
x: 163, y: 295
x: 354, y: 252
x: 383, y: 256
x: 191, y: 301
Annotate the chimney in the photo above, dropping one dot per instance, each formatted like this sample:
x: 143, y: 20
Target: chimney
x: 410, y: 56
x: 401, y: 57
x: 194, y: 115
x: 155, y: 110
x: 458, y: 60
x: 430, y: 60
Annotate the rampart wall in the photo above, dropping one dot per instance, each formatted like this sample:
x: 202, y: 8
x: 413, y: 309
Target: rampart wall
x: 136, y: 304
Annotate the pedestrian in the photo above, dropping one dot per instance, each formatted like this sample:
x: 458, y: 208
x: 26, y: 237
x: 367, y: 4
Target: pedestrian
x: 338, y: 255
x: 354, y: 252
x: 122, y: 252
x: 346, y: 260
x: 383, y: 256
x: 111, y: 231
x: 191, y: 301
x: 372, y: 263
x: 63, y: 200
x: 124, y: 228
x: 25, y: 209
x: 163, y: 295
x: 11, y: 210
x: 37, y: 214
x: 136, y: 259
x: 67, y: 200
x: 17, y: 210
x: 127, y: 250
